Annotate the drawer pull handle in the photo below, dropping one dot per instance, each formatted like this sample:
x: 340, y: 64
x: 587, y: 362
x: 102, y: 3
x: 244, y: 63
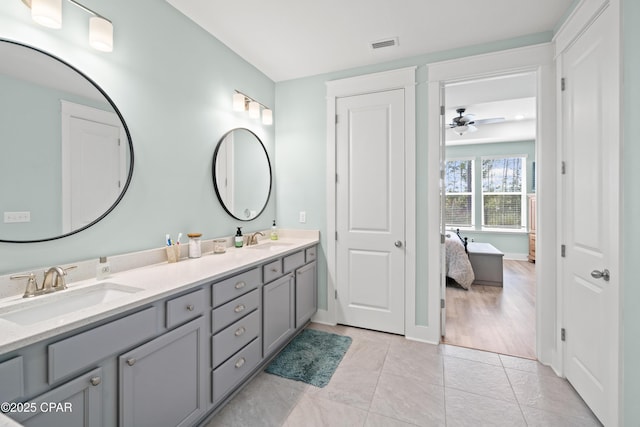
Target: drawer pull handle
x: 95, y: 381
x: 312, y: 254
x: 240, y: 285
x: 241, y: 330
x: 131, y: 361
x: 239, y: 308
x: 274, y: 270
x: 190, y: 307
x: 240, y: 362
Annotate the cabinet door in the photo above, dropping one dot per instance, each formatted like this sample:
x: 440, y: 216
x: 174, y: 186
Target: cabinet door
x: 278, y: 310
x: 76, y: 403
x: 306, y: 293
x: 164, y: 382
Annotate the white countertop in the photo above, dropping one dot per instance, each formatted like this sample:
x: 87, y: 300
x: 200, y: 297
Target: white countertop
x: 156, y: 281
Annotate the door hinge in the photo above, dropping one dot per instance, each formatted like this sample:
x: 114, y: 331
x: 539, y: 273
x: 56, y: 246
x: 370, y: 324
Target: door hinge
x: 563, y: 251
x: 335, y: 294
x: 118, y: 142
x: 119, y: 184
x: 563, y: 168
x: 563, y: 84
x: 336, y: 235
x: 563, y: 334
x: 442, y: 110
x: 442, y: 239
x: 442, y: 303
x: 336, y: 178
x: 336, y: 119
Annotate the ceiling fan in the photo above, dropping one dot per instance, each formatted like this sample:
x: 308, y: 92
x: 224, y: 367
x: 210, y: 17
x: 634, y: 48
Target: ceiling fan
x: 467, y: 123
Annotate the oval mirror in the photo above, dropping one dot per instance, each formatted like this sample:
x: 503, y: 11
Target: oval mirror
x: 242, y: 174
x: 67, y: 156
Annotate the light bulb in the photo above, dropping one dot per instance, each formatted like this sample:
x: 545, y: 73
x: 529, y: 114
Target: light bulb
x: 238, y: 102
x: 254, y: 110
x: 101, y: 34
x: 47, y: 12
x: 267, y: 117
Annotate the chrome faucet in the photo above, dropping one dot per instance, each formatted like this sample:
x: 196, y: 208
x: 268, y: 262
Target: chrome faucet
x: 54, y: 280
x: 253, y: 239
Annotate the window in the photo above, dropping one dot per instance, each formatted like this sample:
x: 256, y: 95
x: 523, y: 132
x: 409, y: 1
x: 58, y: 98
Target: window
x: 503, y: 192
x: 459, y: 193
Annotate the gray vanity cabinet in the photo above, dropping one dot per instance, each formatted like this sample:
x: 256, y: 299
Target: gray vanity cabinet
x: 278, y: 305
x: 306, y: 293
x: 78, y: 402
x: 164, y: 382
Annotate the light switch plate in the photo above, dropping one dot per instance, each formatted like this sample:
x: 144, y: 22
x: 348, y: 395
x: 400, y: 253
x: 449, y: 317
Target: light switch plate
x: 303, y: 217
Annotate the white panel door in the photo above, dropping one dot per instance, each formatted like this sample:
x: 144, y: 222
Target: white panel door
x: 370, y: 211
x: 590, y: 231
x: 95, y: 169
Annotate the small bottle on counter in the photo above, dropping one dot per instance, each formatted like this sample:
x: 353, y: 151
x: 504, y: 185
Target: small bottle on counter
x: 274, y: 231
x: 239, y: 241
x: 195, y: 248
x: 103, y: 269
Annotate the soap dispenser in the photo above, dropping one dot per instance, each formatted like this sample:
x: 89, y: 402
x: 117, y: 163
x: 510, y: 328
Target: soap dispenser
x: 238, y: 239
x: 274, y: 231
x: 103, y: 269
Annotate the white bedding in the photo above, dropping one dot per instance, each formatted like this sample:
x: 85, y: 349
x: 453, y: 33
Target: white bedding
x: 457, y: 263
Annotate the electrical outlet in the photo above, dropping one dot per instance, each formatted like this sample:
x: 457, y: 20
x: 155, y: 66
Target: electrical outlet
x: 303, y: 217
x: 17, y: 217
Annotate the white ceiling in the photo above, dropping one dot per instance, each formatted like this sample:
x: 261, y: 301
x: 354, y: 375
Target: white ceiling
x: 288, y: 39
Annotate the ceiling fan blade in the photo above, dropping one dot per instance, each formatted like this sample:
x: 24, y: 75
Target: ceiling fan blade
x: 488, y: 121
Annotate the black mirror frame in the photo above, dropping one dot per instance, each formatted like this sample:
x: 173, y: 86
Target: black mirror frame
x: 215, y: 184
x: 124, y: 125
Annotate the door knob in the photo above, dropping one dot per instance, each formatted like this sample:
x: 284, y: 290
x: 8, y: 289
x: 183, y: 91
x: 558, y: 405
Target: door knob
x: 398, y: 244
x: 604, y: 274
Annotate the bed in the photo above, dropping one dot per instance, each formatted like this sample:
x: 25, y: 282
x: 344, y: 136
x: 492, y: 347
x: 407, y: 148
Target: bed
x: 458, y: 267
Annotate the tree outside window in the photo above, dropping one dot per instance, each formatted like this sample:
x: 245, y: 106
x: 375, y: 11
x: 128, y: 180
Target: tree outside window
x: 503, y: 192
x: 459, y: 193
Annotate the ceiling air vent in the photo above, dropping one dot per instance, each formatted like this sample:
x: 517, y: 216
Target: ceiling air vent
x: 384, y: 43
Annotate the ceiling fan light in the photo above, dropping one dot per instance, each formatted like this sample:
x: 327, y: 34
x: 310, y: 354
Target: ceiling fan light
x: 471, y: 128
x: 47, y: 13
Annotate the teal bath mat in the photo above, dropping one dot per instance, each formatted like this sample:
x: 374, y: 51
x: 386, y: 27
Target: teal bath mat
x: 311, y: 357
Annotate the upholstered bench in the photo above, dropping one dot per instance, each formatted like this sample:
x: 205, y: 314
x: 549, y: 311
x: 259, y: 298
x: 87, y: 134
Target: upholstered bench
x: 486, y: 262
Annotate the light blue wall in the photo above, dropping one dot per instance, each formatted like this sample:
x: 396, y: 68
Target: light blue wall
x: 507, y: 242
x: 630, y: 227
x: 301, y: 155
x: 173, y: 84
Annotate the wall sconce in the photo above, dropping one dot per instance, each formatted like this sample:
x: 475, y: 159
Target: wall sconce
x: 49, y: 14
x: 242, y: 102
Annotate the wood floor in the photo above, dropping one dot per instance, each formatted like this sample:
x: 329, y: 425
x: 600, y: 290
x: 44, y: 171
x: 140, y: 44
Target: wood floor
x: 501, y: 320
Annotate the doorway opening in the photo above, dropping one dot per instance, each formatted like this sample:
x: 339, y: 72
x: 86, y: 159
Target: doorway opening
x: 488, y: 154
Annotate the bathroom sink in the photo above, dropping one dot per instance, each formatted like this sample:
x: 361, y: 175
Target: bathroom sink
x: 271, y: 246
x: 47, y: 307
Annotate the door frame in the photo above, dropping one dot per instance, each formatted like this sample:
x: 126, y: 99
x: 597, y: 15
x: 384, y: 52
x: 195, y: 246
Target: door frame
x: 538, y: 59
x: 404, y: 78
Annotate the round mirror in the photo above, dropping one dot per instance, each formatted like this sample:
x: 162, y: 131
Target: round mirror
x: 242, y: 174
x: 67, y: 156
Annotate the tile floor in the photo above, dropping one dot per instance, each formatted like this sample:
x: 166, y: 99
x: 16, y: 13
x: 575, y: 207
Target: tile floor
x: 385, y: 380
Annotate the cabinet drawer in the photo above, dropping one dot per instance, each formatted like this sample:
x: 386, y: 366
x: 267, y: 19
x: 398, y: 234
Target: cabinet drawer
x: 234, y: 370
x: 233, y: 287
x: 234, y: 337
x: 311, y: 254
x: 77, y: 352
x: 293, y: 261
x: 271, y: 271
x: 185, y: 307
x: 11, y: 379
x: 233, y: 310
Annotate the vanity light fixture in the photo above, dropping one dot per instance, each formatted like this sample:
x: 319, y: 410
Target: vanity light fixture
x: 49, y: 14
x: 242, y: 102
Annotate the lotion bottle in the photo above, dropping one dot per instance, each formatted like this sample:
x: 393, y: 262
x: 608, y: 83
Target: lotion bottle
x: 239, y: 239
x: 274, y: 231
x: 103, y: 269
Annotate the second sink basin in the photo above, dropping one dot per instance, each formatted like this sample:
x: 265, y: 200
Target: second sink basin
x: 47, y: 307
x: 270, y: 246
